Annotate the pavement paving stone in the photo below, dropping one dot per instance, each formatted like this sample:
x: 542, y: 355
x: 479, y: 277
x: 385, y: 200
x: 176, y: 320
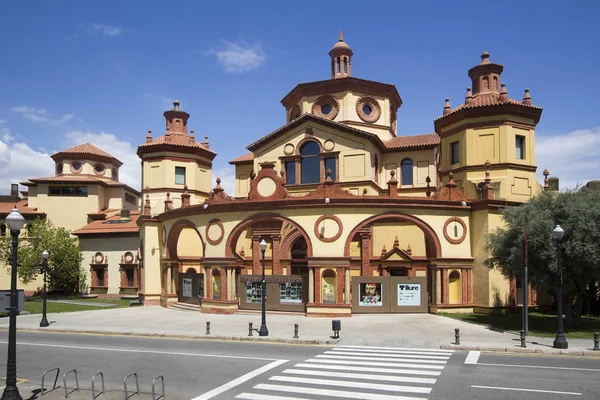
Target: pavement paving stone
x: 389, y: 330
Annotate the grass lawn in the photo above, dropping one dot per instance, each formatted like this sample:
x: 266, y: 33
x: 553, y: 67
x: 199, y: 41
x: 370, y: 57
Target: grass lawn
x: 34, y: 304
x: 543, y: 325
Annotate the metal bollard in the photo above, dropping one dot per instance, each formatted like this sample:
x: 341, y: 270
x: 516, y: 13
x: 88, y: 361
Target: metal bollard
x: 296, y: 331
x: 456, y: 336
x: 596, y: 341
x: 250, y: 329
x: 523, y: 339
x: 208, y: 327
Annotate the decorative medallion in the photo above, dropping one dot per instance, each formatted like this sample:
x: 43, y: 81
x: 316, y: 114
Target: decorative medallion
x: 328, y: 228
x: 128, y: 258
x: 368, y: 109
x: 266, y: 187
x: 215, y: 232
x: 288, y: 149
x: 329, y: 145
x: 326, y: 107
x: 98, y: 258
x: 455, y: 230
x: 164, y: 235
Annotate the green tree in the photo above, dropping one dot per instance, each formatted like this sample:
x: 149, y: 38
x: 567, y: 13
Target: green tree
x: 578, y: 213
x: 64, y: 264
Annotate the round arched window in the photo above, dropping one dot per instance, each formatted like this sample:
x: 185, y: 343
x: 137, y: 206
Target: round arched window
x: 76, y: 167
x: 99, y: 169
x: 310, y: 164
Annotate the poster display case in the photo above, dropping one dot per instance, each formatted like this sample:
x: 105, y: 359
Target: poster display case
x: 284, y: 293
x: 389, y: 294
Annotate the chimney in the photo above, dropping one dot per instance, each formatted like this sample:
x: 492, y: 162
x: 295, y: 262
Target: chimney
x: 14, y: 189
x: 125, y: 214
x: 554, y: 184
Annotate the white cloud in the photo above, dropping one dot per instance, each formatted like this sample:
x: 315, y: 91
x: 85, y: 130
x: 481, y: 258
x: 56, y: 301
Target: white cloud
x: 227, y: 175
x: 106, y: 30
x: 41, y: 115
x: 240, y: 56
x: 32, y: 113
x: 19, y: 162
x: 573, y: 157
x: 2, y: 121
x: 130, y: 172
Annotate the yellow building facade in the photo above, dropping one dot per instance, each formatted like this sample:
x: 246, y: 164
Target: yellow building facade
x: 353, y: 218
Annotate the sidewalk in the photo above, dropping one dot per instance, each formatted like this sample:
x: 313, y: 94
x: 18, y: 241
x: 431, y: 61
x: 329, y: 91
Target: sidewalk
x: 390, y: 330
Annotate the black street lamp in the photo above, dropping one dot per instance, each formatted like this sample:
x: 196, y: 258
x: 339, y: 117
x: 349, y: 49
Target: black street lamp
x: 15, y: 222
x: 560, y: 342
x: 263, y: 331
x: 44, y: 321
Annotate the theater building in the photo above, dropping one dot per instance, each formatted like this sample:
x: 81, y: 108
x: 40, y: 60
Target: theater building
x: 355, y: 218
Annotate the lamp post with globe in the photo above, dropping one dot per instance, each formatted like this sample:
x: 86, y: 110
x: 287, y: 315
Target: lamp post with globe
x: 560, y: 342
x: 263, y: 331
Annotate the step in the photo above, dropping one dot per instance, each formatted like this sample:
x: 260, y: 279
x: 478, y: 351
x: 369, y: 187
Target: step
x: 185, y: 307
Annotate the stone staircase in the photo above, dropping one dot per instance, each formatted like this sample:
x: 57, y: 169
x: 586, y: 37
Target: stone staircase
x: 185, y: 307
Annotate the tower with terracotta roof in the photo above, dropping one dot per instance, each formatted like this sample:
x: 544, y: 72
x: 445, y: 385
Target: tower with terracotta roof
x: 341, y: 59
x: 175, y: 162
x: 490, y: 126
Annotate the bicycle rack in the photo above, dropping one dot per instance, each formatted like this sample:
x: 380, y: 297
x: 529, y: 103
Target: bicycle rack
x: 67, y: 393
x: 93, y: 387
x: 137, y: 385
x: 55, y: 379
x: 162, y: 380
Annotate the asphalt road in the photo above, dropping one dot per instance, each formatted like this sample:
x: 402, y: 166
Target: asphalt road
x: 206, y: 369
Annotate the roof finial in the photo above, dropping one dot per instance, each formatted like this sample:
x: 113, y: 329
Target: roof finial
x: 176, y: 105
x: 149, y: 136
x: 527, y: 98
x: 447, y: 107
x: 503, y: 92
x: 485, y: 58
x: 546, y: 185
x: 469, y: 97
x: 396, y: 242
x: 341, y: 38
x: 328, y: 172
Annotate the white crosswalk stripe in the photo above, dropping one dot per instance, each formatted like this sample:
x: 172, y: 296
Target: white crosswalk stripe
x: 357, y: 372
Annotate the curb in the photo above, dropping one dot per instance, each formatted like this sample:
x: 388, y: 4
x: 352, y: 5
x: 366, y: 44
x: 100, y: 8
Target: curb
x: 523, y: 350
x: 183, y: 336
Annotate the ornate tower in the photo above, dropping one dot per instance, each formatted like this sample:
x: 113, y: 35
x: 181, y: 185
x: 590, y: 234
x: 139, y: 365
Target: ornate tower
x: 341, y: 59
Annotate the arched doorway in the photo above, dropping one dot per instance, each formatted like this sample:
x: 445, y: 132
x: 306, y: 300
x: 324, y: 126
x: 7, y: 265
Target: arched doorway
x: 454, y: 288
x: 299, y: 263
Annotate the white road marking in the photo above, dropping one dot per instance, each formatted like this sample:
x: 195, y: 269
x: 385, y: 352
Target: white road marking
x: 538, y: 366
x: 255, y: 396
x: 400, y: 352
x: 472, y: 357
x: 239, y: 381
x: 333, y: 393
x: 350, y: 384
x: 351, y: 353
x: 397, y: 348
x: 172, y: 353
x: 376, y: 364
x: 525, y: 390
x: 361, y: 376
x: 389, y: 359
x: 369, y: 369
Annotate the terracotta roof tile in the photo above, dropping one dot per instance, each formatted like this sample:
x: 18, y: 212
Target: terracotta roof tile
x: 413, y: 142
x: 112, y: 225
x: 486, y: 100
x: 176, y: 139
x: 245, y: 159
x: 85, y: 149
x: 22, y: 206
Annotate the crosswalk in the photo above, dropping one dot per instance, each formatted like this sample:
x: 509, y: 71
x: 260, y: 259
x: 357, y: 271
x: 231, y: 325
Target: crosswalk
x: 357, y: 372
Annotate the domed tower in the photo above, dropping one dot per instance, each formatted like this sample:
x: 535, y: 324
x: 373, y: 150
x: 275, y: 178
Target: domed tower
x: 175, y: 163
x: 341, y: 59
x: 490, y: 127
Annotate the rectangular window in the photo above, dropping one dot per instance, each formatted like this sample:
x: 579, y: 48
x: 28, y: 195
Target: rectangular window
x: 290, y: 173
x: 330, y: 164
x: 129, y: 198
x: 180, y: 175
x: 100, y: 276
x: 520, y: 147
x: 68, y: 191
x: 455, y: 150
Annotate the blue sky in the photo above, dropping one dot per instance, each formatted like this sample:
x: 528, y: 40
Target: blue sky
x: 104, y: 71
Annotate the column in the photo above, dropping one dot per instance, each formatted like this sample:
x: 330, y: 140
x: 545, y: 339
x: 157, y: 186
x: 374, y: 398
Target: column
x: 224, y: 272
x: 208, y: 283
x: 340, y: 280
x: 277, y: 270
x: 463, y: 285
x: 256, y: 256
x: 347, y: 281
x: 438, y: 286
x: 311, y: 285
x: 469, y: 286
x: 365, y: 254
x: 318, y: 294
x: 445, y: 286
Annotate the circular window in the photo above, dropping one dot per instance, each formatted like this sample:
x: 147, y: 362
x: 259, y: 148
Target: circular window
x: 59, y: 168
x: 326, y: 107
x: 99, y: 169
x: 368, y: 109
x: 76, y: 167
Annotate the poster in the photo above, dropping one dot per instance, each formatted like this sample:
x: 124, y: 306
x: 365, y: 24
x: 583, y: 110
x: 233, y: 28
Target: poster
x: 370, y: 294
x: 290, y: 293
x: 186, y: 287
x: 409, y: 294
x: 329, y: 290
x: 201, y: 287
x: 253, y: 292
